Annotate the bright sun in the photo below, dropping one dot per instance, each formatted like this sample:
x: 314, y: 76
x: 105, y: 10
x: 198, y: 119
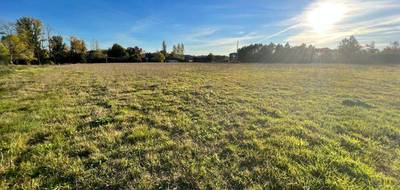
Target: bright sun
x: 324, y: 16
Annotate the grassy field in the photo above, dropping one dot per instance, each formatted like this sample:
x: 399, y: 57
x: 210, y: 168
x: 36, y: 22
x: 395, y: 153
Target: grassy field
x: 200, y: 126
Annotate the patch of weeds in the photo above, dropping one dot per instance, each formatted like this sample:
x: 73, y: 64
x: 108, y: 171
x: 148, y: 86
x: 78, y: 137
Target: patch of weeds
x: 271, y: 113
x: 83, y: 150
x: 143, y: 133
x: 356, y: 103
x: 4, y: 70
x: 105, y: 104
x: 101, y: 121
x: 39, y: 137
x: 96, y: 159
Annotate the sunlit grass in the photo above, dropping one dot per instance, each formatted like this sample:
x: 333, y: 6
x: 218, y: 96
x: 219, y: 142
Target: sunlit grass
x: 199, y: 126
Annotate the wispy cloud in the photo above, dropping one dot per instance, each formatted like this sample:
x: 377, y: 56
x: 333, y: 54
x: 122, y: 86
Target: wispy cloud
x: 289, y: 28
x: 222, y: 45
x: 220, y: 39
x: 368, y: 20
x: 127, y: 38
x: 377, y: 27
x: 357, y: 21
x: 144, y: 24
x: 232, y: 40
x: 200, y: 33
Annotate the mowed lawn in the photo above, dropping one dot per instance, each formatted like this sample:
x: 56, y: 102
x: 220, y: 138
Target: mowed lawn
x: 200, y: 126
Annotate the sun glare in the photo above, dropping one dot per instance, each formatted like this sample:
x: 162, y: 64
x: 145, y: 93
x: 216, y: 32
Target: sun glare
x: 323, y: 17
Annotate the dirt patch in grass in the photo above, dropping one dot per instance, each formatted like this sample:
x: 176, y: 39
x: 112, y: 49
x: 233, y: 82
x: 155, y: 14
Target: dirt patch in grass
x: 356, y: 103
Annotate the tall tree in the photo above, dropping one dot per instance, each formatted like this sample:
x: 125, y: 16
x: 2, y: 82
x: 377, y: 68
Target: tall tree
x: 4, y: 54
x: 267, y: 53
x: 181, y: 49
x: 157, y: 57
x: 96, y: 45
x: 77, y: 50
x: 30, y: 31
x: 371, y: 48
x: 135, y: 54
x: 395, y: 46
x: 18, y: 50
x: 164, y: 48
x: 178, y: 49
x: 117, y: 51
x: 97, y: 56
x: 349, y: 50
x: 48, y: 36
x: 210, y: 58
x: 391, y: 53
x: 57, y: 49
x: 174, y: 49
x: 178, y: 52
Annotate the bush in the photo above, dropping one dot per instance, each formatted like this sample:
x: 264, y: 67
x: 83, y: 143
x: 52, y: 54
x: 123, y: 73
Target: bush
x: 4, y: 55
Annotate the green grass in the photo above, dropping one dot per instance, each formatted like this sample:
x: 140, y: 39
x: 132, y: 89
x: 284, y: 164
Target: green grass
x: 200, y: 126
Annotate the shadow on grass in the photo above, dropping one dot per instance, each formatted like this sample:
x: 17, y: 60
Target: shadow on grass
x: 357, y: 103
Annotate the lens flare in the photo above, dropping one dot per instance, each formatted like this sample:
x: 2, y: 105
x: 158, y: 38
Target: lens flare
x: 323, y: 17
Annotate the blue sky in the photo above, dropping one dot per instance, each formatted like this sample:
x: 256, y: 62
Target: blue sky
x: 213, y: 25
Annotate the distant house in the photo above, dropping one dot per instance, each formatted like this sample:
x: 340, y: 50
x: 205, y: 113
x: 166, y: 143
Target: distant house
x: 233, y: 58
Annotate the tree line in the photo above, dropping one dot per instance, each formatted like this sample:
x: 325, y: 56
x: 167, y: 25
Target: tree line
x: 28, y: 41
x: 348, y: 51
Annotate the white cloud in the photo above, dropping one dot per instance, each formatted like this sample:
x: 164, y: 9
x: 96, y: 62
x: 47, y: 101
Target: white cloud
x: 216, y: 39
x: 368, y: 20
x: 200, y: 33
x: 222, y: 45
x: 279, y: 33
x: 144, y: 24
x: 127, y: 38
x: 357, y: 21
